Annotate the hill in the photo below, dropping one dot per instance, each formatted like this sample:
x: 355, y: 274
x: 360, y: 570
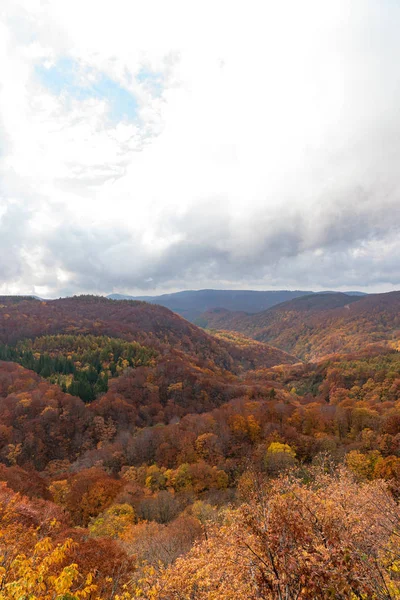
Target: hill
x: 314, y: 326
x: 190, y: 304
x: 133, y: 364
x: 282, y: 313
x: 134, y: 321
x: 163, y: 366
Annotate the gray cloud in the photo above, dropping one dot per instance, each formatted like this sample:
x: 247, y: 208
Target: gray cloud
x: 12, y: 235
x: 322, y: 212
x: 352, y: 240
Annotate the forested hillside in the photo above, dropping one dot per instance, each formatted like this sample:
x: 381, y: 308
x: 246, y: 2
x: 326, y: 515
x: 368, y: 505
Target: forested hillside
x: 315, y: 326
x: 141, y: 456
x: 150, y: 325
x: 285, y: 313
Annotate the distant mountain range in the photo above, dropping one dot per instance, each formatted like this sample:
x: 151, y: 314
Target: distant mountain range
x: 192, y: 303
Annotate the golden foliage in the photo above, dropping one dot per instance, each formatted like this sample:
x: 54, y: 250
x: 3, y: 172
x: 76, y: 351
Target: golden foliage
x: 41, y: 575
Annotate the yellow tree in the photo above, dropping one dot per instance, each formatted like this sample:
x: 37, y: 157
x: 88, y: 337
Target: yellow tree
x: 41, y: 575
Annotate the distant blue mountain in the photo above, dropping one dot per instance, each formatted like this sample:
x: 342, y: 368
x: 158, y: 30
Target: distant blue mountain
x: 191, y: 304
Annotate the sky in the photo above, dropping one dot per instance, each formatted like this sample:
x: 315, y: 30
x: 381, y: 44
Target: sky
x: 159, y: 145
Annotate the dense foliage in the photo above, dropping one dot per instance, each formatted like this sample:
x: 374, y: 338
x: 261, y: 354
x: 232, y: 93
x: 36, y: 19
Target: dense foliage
x: 315, y: 326
x: 203, y: 469
x: 80, y: 364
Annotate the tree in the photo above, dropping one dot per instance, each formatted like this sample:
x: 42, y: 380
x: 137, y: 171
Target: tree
x: 42, y: 575
x: 89, y: 493
x: 330, y: 538
x: 114, y: 522
x: 279, y: 457
x: 362, y: 465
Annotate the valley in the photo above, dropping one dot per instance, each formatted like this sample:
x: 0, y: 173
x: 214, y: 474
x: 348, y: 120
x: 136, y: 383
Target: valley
x: 139, y: 444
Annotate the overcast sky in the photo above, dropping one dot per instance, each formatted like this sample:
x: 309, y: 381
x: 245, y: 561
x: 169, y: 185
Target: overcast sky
x: 151, y: 146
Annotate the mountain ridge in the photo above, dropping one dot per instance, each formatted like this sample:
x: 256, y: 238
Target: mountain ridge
x: 149, y: 324
x: 192, y: 303
x: 314, y: 326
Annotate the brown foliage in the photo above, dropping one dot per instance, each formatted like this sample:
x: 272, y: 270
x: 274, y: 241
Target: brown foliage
x: 331, y: 538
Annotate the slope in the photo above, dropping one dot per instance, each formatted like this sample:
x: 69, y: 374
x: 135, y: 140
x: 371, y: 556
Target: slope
x: 286, y: 311
x: 315, y: 326
x: 150, y: 325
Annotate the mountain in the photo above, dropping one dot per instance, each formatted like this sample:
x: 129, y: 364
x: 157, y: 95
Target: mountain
x: 135, y: 321
x: 107, y: 350
x: 16, y: 299
x: 241, y: 321
x: 191, y: 304
x: 135, y: 364
x: 313, y: 326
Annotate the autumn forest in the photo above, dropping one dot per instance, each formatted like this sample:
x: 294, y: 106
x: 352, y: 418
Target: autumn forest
x: 243, y: 456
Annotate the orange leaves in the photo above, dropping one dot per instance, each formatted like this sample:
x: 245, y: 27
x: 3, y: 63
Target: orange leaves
x: 245, y: 427
x: 362, y: 465
x: 86, y: 494
x: 388, y: 468
x: 39, y: 558
x: 325, y: 539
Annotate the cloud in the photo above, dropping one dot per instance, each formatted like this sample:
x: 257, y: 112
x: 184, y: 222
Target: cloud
x: 158, y: 146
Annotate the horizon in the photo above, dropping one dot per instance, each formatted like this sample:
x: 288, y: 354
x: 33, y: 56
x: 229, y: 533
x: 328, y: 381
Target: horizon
x: 108, y: 296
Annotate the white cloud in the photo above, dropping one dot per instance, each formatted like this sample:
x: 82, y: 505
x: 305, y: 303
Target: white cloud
x: 265, y: 144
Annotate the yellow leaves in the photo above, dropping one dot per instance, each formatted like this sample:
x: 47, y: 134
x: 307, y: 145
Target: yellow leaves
x: 247, y: 427
x: 362, y: 465
x: 124, y: 364
x: 54, y: 525
x: 253, y: 428
x: 276, y: 447
x: 238, y: 424
x: 173, y: 387
x: 59, y: 490
x: 62, y: 584
x: 41, y: 575
x: 219, y: 479
x: 155, y: 478
x: 114, y: 522
x: 48, y: 410
x: 205, y: 445
x: 279, y: 457
x: 392, y: 565
x: 129, y: 473
x: 14, y: 450
x: 45, y: 546
x: 181, y: 478
x: 24, y: 399
x: 203, y: 511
